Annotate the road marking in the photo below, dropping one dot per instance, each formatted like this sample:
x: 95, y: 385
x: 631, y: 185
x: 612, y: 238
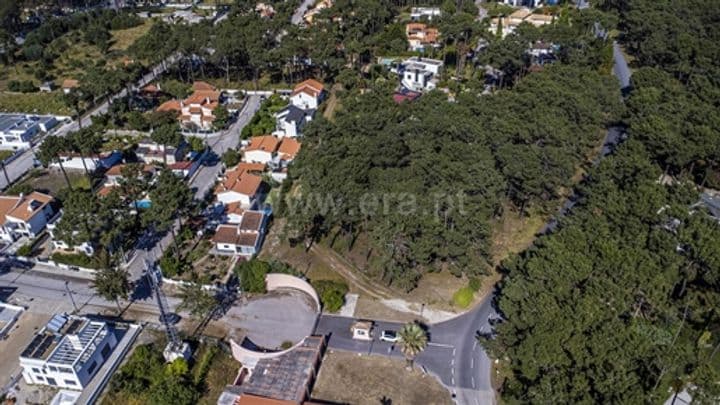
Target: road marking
x: 442, y: 345
x: 472, y: 362
x: 452, y: 362
x: 452, y: 380
x: 453, y: 352
x: 472, y: 379
x: 474, y: 344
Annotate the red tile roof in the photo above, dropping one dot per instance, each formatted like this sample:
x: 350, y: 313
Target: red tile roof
x: 267, y: 143
x: 289, y: 148
x: 310, y: 86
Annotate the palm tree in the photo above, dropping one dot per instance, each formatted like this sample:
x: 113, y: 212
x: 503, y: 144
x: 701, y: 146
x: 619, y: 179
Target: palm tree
x: 113, y: 285
x: 50, y: 151
x: 413, y: 340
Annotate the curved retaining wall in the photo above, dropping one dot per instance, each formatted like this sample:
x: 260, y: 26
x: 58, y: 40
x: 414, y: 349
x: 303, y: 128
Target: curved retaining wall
x: 274, y: 281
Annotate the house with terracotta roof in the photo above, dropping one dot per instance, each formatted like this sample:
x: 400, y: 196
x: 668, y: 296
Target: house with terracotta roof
x: 288, y: 150
x: 69, y: 85
x: 114, y: 175
x: 420, y: 36
x: 243, y: 238
x: 241, y: 185
x: 262, y: 149
x: 25, y: 215
x: 308, y: 94
x: 151, y: 152
x: 508, y: 25
x: 196, y: 111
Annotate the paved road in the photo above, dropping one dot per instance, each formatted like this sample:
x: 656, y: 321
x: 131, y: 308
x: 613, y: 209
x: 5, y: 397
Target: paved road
x: 620, y: 67
x: 228, y: 139
x: 18, y: 167
x: 297, y: 16
x: 201, y: 183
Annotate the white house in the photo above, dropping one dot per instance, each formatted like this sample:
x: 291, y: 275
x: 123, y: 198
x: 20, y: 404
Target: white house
x: 418, y: 13
x: 24, y: 215
x: 18, y: 130
x: 290, y: 121
x: 67, y: 352
x: 261, y: 149
x: 523, y: 3
x: 58, y: 244
x: 150, y: 152
x: 241, y: 185
x: 196, y: 111
x: 420, y: 74
x: 243, y: 238
x: 75, y: 161
x: 308, y: 95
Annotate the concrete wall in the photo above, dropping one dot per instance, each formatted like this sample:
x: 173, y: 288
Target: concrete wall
x: 273, y: 281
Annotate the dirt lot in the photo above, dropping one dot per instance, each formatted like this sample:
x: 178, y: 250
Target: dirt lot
x: 349, y: 378
x: 16, y: 341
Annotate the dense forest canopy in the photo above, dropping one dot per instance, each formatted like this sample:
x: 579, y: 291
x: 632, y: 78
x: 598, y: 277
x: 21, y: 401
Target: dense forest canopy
x: 424, y: 179
x: 621, y: 304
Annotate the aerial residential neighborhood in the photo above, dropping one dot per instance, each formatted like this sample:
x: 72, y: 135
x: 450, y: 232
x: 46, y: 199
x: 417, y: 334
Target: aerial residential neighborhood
x: 359, y: 202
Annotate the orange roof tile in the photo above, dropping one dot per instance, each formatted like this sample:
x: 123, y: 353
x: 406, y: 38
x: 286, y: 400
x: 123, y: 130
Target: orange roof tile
x: 106, y: 190
x: 234, y: 208
x: 117, y: 170
x: 289, y: 148
x: 267, y: 143
x: 230, y: 234
x: 249, y: 399
x: 240, y: 181
x: 309, y: 86
x: 203, y: 86
x: 25, y: 207
x: 70, y: 84
x: 171, y: 105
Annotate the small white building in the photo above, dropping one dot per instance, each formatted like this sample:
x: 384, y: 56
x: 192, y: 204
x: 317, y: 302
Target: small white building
x: 262, y: 149
x: 18, y: 130
x: 67, y: 352
x: 290, y: 121
x: 308, y: 95
x: 75, y: 161
x: 242, y: 186
x: 419, y: 13
x: 244, y: 238
x: 24, y: 215
x: 420, y: 74
x: 59, y: 244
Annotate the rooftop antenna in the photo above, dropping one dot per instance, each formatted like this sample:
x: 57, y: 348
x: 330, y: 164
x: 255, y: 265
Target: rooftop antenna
x: 175, y: 348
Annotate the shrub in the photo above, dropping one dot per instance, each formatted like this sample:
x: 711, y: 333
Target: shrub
x: 75, y: 259
x: 463, y: 297
x: 172, y: 265
x: 286, y: 345
x: 230, y: 158
x: 25, y: 86
x: 331, y: 293
x: 474, y: 283
x: 25, y: 250
x: 252, y: 275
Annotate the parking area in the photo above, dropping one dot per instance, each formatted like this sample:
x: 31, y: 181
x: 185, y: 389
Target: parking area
x: 272, y: 320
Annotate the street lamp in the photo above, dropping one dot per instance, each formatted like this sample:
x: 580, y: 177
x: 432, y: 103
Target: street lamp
x: 67, y: 288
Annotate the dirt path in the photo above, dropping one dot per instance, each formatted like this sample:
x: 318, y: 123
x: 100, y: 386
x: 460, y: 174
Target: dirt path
x: 350, y: 273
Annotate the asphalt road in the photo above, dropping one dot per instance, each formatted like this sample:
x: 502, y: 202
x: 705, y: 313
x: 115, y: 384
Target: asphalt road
x: 201, y: 182
x: 18, y: 167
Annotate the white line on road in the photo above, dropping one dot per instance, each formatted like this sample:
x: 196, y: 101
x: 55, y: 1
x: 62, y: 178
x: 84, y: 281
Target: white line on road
x: 453, y: 352
x: 452, y: 362
x: 472, y: 362
x: 442, y: 345
x: 452, y: 380
x: 472, y: 380
x: 474, y: 344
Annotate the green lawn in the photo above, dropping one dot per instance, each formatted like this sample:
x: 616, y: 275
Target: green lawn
x: 38, y: 103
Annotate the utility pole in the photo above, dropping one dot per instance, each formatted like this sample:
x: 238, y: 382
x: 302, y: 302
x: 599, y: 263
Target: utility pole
x: 67, y: 288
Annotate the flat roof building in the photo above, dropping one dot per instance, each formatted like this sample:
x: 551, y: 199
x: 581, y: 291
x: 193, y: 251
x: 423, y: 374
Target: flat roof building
x: 17, y: 130
x: 67, y: 352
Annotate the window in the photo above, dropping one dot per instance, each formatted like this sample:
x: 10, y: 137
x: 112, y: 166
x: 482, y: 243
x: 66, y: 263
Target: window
x: 52, y: 368
x: 51, y: 381
x: 91, y: 368
x: 35, y: 370
x: 65, y: 370
x: 39, y: 378
x: 105, y: 351
x: 70, y: 382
